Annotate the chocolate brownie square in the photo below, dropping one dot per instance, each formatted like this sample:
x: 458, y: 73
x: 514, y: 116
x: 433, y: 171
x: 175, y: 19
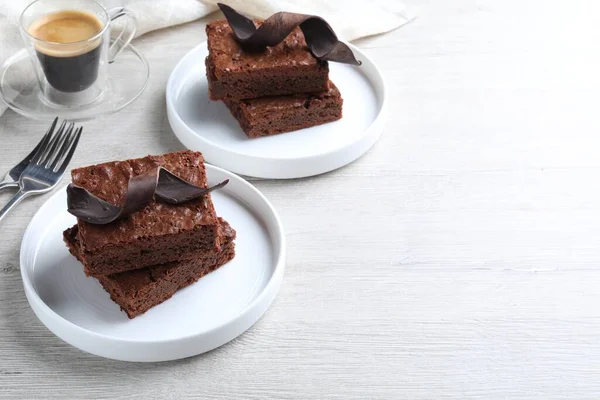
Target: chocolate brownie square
x: 287, y: 68
x: 277, y: 114
x: 139, y: 290
x: 157, y: 234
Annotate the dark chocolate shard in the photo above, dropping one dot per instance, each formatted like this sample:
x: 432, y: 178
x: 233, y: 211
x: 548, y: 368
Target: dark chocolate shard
x: 320, y: 37
x: 90, y: 208
x: 159, y: 184
x: 174, y: 190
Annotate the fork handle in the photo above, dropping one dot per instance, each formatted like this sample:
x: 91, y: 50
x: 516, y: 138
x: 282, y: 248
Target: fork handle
x: 16, y: 199
x: 6, y: 185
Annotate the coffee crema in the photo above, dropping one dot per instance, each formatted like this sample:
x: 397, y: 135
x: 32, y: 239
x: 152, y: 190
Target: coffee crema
x: 70, y: 61
x: 66, y: 26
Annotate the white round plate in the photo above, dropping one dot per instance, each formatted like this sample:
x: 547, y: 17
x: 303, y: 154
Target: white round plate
x: 207, y: 126
x: 199, y: 318
x: 127, y: 78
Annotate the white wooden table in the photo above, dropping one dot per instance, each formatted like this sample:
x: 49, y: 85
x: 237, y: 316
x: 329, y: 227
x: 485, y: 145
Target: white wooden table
x: 460, y: 258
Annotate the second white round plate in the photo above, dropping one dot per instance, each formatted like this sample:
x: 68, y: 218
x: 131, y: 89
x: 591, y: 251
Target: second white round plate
x: 199, y: 318
x: 207, y: 126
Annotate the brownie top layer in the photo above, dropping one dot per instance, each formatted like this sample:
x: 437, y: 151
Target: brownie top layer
x: 227, y: 54
x: 228, y: 235
x: 132, y: 281
x: 109, y: 181
x: 277, y: 103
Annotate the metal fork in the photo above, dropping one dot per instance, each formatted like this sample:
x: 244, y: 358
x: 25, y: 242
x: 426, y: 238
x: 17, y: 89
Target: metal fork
x: 48, y: 164
x: 12, y: 177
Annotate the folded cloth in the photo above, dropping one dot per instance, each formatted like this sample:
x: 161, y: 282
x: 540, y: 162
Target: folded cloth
x: 351, y: 19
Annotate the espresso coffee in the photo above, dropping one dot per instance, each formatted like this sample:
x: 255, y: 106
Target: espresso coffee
x: 70, y: 60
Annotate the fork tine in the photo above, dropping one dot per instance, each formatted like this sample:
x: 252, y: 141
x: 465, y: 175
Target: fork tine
x: 41, y: 146
x: 57, y: 142
x: 36, y: 148
x: 64, y: 148
x: 57, y: 152
x: 41, y: 154
x: 68, y: 157
x: 51, y: 145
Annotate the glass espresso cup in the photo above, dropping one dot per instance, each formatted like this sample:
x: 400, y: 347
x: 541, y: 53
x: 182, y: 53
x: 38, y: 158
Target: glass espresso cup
x: 69, y: 45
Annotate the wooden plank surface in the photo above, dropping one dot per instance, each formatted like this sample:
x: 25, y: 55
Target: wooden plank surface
x: 459, y: 258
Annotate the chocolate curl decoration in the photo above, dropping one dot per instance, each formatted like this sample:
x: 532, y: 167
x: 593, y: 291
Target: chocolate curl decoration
x: 320, y: 38
x: 159, y: 184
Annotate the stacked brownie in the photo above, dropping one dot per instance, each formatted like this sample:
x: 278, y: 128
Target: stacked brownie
x: 143, y: 258
x: 280, y: 89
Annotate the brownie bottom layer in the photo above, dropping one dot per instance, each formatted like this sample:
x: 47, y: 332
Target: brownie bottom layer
x: 272, y: 115
x: 157, y: 289
x: 139, y: 290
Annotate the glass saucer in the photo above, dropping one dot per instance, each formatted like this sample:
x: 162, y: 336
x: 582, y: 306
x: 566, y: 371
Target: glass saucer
x: 127, y: 78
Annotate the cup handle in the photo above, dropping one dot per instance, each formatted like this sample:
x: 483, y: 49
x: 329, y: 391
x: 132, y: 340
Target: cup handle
x: 128, y: 32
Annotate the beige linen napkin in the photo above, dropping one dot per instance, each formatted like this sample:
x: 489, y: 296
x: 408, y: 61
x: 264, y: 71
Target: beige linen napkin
x: 350, y: 19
